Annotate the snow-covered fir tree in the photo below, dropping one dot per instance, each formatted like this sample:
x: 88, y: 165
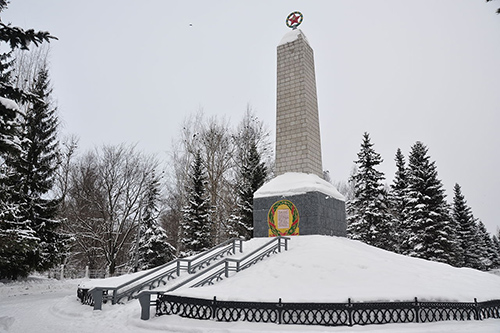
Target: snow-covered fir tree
x: 36, y: 168
x: 368, y: 213
x: 252, y: 175
x: 487, y: 253
x: 196, y: 224
x: 467, y: 246
x: 153, y: 248
x: 397, y: 200
x: 432, y: 233
x: 496, y: 247
x: 18, y: 240
x: 251, y: 142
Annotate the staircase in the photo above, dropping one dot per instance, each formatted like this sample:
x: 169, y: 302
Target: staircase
x: 158, y: 276
x: 217, y: 272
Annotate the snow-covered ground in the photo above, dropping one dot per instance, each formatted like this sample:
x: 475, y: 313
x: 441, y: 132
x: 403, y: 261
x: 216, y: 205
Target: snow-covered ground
x: 315, y: 268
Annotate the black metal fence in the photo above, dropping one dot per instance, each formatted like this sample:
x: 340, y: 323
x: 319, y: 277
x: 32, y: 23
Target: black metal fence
x: 328, y: 314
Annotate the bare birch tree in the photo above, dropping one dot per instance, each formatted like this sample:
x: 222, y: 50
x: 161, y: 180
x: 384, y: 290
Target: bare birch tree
x: 104, y: 203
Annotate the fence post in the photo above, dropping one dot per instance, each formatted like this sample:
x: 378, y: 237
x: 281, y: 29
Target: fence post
x: 61, y: 276
x: 280, y: 312
x: 97, y: 296
x: 241, y: 245
x: 417, y: 311
x: 477, y: 313
x: 87, y: 275
x: 349, y: 311
x: 113, y: 300
x: 226, y: 269
x: 145, y: 301
x: 214, y: 307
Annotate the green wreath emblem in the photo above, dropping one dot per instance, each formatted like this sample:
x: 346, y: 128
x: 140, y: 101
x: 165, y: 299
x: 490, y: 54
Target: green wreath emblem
x: 272, y: 223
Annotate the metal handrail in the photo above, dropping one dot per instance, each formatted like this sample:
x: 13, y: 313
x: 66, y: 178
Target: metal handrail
x: 218, y: 274
x: 100, y: 294
x: 191, y: 268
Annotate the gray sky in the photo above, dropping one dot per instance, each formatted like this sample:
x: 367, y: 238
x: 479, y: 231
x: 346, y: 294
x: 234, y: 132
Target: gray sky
x: 427, y: 70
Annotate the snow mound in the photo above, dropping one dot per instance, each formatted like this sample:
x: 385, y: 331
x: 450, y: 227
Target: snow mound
x: 292, y: 36
x: 294, y: 183
x: 333, y: 269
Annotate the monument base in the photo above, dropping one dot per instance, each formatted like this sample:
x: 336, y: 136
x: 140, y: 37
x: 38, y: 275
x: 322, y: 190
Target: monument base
x: 298, y: 204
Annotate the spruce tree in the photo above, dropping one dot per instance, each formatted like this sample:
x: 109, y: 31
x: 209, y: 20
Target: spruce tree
x: 196, y: 224
x: 252, y: 175
x: 496, y: 247
x: 397, y: 200
x: 467, y: 252
x: 432, y: 235
x: 368, y: 213
x: 153, y: 248
x: 487, y: 253
x: 250, y: 146
x: 18, y: 241
x: 36, y: 167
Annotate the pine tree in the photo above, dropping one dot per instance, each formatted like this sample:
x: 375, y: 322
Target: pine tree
x: 36, y: 167
x: 467, y: 252
x: 368, y: 213
x: 154, y: 248
x: 487, y: 253
x: 250, y: 145
x: 432, y: 235
x: 397, y: 199
x: 496, y: 247
x: 18, y: 241
x: 196, y: 224
x: 252, y: 175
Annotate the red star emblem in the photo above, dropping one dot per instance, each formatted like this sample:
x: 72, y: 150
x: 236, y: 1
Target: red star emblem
x: 294, y: 19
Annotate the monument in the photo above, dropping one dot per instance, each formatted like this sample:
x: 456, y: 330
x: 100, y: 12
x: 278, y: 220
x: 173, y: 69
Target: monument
x: 298, y: 201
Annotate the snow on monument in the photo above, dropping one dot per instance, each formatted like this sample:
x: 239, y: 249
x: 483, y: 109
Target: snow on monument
x: 298, y: 201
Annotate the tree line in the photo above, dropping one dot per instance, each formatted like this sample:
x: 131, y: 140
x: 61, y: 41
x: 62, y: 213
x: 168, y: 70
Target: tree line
x: 412, y: 216
x: 122, y: 211
x: 114, y: 207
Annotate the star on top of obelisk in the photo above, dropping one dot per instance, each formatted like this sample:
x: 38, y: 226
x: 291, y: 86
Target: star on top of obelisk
x: 294, y: 20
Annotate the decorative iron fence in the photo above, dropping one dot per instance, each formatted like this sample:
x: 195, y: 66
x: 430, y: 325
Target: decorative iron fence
x: 327, y: 314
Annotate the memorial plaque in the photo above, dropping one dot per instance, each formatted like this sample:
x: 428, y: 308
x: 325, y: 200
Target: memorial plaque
x: 283, y: 219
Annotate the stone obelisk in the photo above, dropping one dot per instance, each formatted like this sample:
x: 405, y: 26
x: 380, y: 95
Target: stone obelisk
x: 298, y: 143
x: 298, y: 201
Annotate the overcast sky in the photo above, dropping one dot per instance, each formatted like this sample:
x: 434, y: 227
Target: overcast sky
x: 404, y: 71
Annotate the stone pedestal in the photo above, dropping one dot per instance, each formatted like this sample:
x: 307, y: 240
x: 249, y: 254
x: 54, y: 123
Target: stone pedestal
x: 298, y: 204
